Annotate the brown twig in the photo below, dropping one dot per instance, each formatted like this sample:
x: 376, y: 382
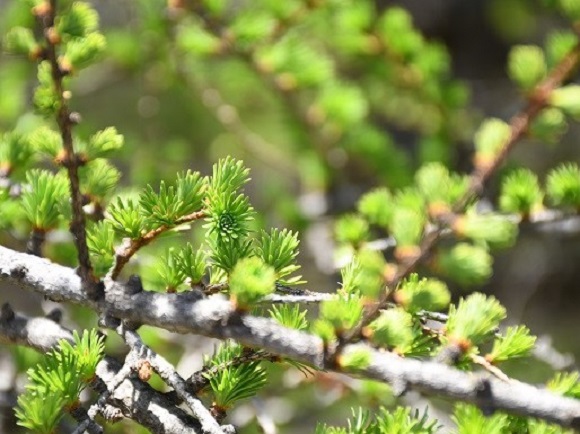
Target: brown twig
x: 519, y: 124
x: 69, y: 159
x: 494, y: 370
x: 126, y: 251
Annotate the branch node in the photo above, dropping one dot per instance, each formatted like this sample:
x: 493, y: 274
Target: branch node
x: 399, y: 387
x: 134, y: 285
x: 144, y: 370
x: 108, y: 321
x: 449, y: 355
x: 55, y: 315
x: 111, y: 413
x: 484, y: 395
x: 75, y: 118
x: 7, y: 313
x: 19, y: 272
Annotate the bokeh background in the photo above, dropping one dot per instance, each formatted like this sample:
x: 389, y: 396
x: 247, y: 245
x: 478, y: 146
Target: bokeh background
x: 348, y: 109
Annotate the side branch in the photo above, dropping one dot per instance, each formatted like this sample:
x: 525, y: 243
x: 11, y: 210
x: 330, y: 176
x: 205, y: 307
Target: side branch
x: 71, y: 161
x: 215, y: 317
x: 126, y: 251
x: 519, y: 124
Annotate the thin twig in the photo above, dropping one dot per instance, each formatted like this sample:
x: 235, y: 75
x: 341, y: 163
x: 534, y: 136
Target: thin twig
x: 475, y: 358
x: 126, y: 251
x: 69, y: 159
x: 519, y: 125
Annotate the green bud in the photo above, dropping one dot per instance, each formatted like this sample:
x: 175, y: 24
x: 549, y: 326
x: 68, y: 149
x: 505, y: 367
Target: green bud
x: 567, y: 98
x: 550, y: 125
x: 393, y: 329
x: 170, y: 273
x: 497, y: 230
x: 432, y: 179
x: 566, y: 383
x: 104, y: 142
x: 355, y: 359
x: 377, y: 206
x: 279, y: 250
x: 192, y: 38
x: 464, y: 263
x: 251, y: 280
x: 520, y: 192
x: 192, y: 263
x: 324, y: 329
x: 252, y: 27
x: 215, y: 7
x: 422, y: 294
x: 17, y: 152
x: 99, y: 178
x: 80, y: 20
x: 526, y: 65
x: 396, y: 30
x: 342, y: 104
x: 475, y: 318
x: 290, y: 316
x: 407, y: 227
x: 351, y: 229
x: 46, y: 101
x: 126, y: 218
x: 20, y: 40
x: 46, y: 140
x: 364, y: 275
x: 44, y: 197
x: 517, y: 342
x: 570, y: 8
x: 100, y: 241
x: 81, y: 52
x: 563, y: 186
x: 558, y: 45
x: 343, y: 313
x: 490, y: 138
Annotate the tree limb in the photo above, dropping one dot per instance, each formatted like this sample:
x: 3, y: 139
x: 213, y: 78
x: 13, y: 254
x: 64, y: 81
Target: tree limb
x: 215, y: 317
x: 134, y: 398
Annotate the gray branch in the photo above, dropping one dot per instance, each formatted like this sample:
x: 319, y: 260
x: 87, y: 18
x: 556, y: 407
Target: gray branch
x: 215, y: 317
x: 123, y: 394
x: 39, y: 333
x: 141, y: 352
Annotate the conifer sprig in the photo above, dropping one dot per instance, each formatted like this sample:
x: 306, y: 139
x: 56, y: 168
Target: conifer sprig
x: 56, y: 382
x: 232, y: 382
x: 124, y: 254
x: 518, y: 127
